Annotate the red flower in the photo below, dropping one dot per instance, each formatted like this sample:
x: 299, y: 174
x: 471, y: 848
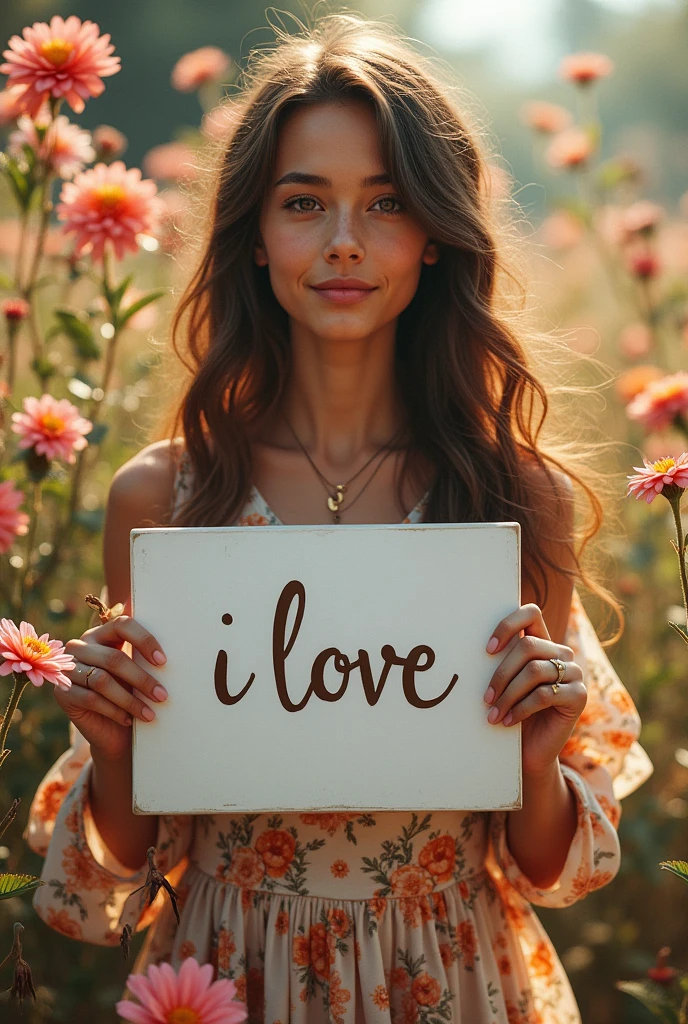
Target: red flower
x: 15, y: 309
x: 425, y: 990
x: 277, y: 848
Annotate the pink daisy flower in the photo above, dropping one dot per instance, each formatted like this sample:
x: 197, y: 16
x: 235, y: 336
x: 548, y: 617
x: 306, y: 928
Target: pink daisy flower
x: 109, y: 142
x: 569, y: 148
x: 189, y: 997
x: 109, y: 203
x: 65, y: 146
x: 54, y: 428
x: 585, y: 68
x: 10, y: 104
x: 194, y: 69
x: 64, y: 59
x: 41, y: 658
x: 655, y: 476
x: 13, y: 523
x: 661, y: 401
x: 545, y: 117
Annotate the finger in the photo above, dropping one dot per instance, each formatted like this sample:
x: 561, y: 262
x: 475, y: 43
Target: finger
x: 80, y: 699
x: 535, y: 674
x: 117, y: 664
x: 102, y: 684
x: 569, y: 700
x: 526, y: 648
x: 124, y: 628
x: 527, y: 617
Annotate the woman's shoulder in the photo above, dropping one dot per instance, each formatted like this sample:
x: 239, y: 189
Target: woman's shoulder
x: 144, y: 485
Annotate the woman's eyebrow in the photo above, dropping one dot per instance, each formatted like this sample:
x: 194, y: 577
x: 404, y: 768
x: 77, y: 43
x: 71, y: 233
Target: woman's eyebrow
x: 301, y: 178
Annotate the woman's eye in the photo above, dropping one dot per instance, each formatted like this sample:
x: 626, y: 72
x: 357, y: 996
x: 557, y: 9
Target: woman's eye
x: 392, y: 200
x: 291, y: 204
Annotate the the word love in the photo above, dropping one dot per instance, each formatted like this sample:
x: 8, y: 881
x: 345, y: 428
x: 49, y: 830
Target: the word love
x: 419, y: 659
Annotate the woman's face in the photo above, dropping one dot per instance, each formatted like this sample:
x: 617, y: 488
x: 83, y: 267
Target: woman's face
x: 332, y: 213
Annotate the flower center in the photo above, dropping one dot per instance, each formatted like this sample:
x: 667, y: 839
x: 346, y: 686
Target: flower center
x: 36, y: 646
x: 109, y: 195
x: 52, y: 423
x: 57, y: 51
x: 662, y: 465
x: 183, y: 1015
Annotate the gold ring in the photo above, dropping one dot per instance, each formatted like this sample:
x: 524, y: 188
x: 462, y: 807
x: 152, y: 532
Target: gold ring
x: 561, y: 668
x: 92, y: 669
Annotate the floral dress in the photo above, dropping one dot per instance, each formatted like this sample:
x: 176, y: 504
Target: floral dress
x: 347, y: 918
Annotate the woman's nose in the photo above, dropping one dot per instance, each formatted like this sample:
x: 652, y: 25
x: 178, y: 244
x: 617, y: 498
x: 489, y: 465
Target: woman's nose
x: 344, y: 243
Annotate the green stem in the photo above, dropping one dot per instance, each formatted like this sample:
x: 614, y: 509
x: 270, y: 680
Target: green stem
x: 36, y: 509
x: 681, y: 552
x: 20, y: 682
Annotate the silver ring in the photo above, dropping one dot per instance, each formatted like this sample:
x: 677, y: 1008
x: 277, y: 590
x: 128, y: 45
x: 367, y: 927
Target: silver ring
x: 561, y: 668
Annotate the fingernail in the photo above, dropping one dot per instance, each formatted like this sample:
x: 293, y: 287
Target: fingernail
x: 493, y: 644
x: 160, y: 693
x: 148, y: 714
x: 493, y: 715
x: 159, y: 657
x: 507, y: 719
x: 489, y: 696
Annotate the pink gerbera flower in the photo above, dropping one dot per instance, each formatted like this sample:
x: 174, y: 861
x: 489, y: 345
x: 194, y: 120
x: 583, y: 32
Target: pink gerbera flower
x: 190, y: 997
x: 41, y: 658
x: 10, y: 104
x: 661, y: 401
x: 194, y: 69
x: 64, y: 59
x: 109, y: 204
x: 65, y: 146
x: 655, y: 476
x: 54, y: 428
x: 545, y: 117
x: 570, y: 148
x: 585, y: 68
x: 13, y: 523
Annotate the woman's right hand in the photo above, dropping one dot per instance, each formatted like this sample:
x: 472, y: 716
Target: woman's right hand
x: 102, y: 707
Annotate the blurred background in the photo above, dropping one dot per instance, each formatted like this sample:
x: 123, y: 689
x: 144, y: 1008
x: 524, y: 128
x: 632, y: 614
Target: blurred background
x: 506, y: 53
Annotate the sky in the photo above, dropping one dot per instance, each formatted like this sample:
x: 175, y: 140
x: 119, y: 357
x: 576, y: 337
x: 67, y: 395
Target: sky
x: 521, y: 34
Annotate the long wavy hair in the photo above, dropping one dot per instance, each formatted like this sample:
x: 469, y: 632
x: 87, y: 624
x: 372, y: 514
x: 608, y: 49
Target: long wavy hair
x: 467, y: 346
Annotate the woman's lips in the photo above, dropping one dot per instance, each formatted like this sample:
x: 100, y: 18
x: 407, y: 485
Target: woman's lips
x: 344, y: 296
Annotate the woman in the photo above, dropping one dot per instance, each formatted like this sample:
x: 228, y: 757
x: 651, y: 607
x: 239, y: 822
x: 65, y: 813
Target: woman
x: 352, y: 360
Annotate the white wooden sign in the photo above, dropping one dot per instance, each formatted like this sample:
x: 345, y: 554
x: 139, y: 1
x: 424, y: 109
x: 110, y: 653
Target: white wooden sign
x: 320, y: 668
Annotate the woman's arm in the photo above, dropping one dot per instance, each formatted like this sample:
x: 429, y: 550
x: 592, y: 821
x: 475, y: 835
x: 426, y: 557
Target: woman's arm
x: 140, y: 491
x: 540, y: 834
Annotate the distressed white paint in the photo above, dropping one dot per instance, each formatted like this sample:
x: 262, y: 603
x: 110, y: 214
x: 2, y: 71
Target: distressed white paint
x: 442, y: 586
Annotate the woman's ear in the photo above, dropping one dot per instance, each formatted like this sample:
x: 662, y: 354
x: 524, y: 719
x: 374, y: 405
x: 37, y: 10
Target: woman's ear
x: 259, y: 254
x: 431, y: 253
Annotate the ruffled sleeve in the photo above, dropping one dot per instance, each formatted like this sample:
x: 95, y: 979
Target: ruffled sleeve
x: 88, y: 892
x: 602, y: 762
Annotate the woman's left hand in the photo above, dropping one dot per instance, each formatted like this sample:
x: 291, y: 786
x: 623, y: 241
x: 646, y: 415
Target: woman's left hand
x: 523, y: 692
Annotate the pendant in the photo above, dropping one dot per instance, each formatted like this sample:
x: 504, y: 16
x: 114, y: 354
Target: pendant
x: 334, y: 501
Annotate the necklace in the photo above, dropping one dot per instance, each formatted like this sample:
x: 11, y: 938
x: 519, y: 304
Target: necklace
x: 336, y: 492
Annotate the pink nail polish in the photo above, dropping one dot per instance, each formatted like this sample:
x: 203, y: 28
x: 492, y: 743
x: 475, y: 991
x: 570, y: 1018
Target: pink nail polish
x: 489, y: 696
x: 159, y: 657
x: 507, y: 719
x: 493, y: 715
x: 493, y: 644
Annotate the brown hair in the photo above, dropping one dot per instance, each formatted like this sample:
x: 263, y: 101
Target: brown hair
x: 466, y: 345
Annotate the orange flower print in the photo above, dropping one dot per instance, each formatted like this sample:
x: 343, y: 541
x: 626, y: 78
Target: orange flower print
x: 398, y: 978
x: 63, y: 923
x: 425, y: 990
x: 380, y: 997
x: 613, y: 811
x: 254, y: 519
x: 50, y: 799
x: 377, y: 906
x: 541, y: 960
x: 339, y: 922
x: 447, y: 954
x: 277, y: 848
x: 464, y: 891
x: 226, y: 947
x: 314, y: 950
x: 438, y: 857
x: 241, y: 988
x: 246, y: 870
x: 338, y: 998
x: 340, y: 869
x: 618, y: 738
x: 82, y: 871
x: 282, y: 923
x: 411, y: 880
x: 504, y: 965
x: 439, y: 905
x: 583, y: 883
x: 416, y: 910
x: 187, y: 949
x: 465, y: 936
x: 357, y: 949
x: 301, y: 951
x: 623, y: 702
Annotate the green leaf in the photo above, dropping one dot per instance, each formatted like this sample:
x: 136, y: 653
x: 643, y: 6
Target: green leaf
x: 136, y: 306
x: 79, y: 332
x: 43, y: 367
x: 653, y: 996
x: 21, y: 186
x: 114, y: 296
x: 91, y: 519
x: 98, y: 434
x: 677, y: 867
x: 17, y: 885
